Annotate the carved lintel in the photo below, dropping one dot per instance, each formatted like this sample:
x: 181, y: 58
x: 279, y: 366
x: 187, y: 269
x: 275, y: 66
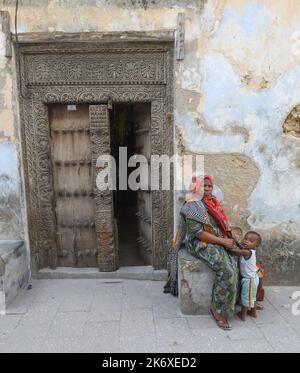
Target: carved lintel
x: 180, y: 33
x: 99, y: 66
x: 5, y: 27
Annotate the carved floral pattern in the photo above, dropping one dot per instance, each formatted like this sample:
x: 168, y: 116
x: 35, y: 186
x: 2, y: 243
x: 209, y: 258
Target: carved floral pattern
x: 104, y: 68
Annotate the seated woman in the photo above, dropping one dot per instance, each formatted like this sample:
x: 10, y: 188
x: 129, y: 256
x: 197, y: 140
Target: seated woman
x: 205, y: 229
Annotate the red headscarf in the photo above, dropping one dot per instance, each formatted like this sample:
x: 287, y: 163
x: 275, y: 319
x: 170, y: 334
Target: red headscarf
x: 216, y: 210
x: 195, y: 187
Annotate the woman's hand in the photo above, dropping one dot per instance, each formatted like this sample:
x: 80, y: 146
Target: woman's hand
x: 228, y: 243
x: 207, y: 237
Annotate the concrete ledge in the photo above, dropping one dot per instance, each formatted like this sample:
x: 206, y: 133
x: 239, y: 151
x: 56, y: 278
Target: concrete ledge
x: 124, y: 273
x: 109, y: 37
x: 195, y: 282
x: 14, y: 271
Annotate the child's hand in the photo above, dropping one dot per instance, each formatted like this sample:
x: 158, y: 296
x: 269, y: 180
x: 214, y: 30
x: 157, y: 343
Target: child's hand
x: 228, y: 243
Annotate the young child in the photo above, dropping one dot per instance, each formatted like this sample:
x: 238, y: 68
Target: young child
x: 248, y: 269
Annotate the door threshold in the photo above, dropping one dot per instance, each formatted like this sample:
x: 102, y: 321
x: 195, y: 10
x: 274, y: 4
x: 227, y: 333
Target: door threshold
x: 123, y: 273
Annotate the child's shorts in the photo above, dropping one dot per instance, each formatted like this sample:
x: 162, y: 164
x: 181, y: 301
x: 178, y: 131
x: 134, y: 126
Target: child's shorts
x: 249, y: 290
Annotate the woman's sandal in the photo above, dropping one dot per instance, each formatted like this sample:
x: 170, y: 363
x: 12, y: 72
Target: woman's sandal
x: 224, y: 325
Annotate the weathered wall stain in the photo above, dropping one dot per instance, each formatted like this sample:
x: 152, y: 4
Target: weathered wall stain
x: 236, y: 176
x: 291, y: 125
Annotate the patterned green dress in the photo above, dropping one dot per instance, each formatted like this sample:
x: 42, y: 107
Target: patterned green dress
x: 225, y: 266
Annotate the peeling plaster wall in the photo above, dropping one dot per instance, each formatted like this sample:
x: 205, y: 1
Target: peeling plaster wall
x: 11, y: 205
x: 238, y: 82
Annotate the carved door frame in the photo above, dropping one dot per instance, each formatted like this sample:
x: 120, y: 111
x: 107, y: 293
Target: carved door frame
x: 91, y: 73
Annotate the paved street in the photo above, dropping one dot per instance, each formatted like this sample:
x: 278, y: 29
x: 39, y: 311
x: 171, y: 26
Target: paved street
x: 135, y: 316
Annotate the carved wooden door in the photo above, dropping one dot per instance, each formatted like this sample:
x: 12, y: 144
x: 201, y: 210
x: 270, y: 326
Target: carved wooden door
x: 79, y: 134
x: 106, y: 228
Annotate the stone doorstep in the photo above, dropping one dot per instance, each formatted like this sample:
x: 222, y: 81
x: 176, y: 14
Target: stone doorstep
x: 195, y: 282
x: 14, y: 273
x: 123, y: 273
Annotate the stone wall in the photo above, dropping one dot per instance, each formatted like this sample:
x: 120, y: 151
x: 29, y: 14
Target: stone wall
x: 11, y: 204
x: 237, y: 85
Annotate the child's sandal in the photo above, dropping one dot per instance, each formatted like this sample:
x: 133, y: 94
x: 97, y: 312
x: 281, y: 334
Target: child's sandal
x: 259, y: 307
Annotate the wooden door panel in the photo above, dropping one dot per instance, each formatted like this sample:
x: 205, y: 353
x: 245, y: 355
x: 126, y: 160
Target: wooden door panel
x: 73, y: 186
x: 74, y: 178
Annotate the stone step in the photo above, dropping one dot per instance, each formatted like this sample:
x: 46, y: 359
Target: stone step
x: 123, y: 273
x: 14, y: 271
x: 195, y: 283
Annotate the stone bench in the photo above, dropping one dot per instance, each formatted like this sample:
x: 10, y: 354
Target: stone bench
x: 14, y: 271
x: 195, y: 282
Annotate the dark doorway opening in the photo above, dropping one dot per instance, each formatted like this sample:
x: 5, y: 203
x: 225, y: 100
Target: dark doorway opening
x: 130, y: 130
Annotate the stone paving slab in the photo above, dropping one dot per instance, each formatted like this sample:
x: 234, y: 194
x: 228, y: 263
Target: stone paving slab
x: 137, y: 322
x: 175, y: 327
x: 8, y: 324
x: 104, y: 330
x: 76, y: 303
x: 68, y: 324
x: 100, y: 315
x: 126, y: 273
